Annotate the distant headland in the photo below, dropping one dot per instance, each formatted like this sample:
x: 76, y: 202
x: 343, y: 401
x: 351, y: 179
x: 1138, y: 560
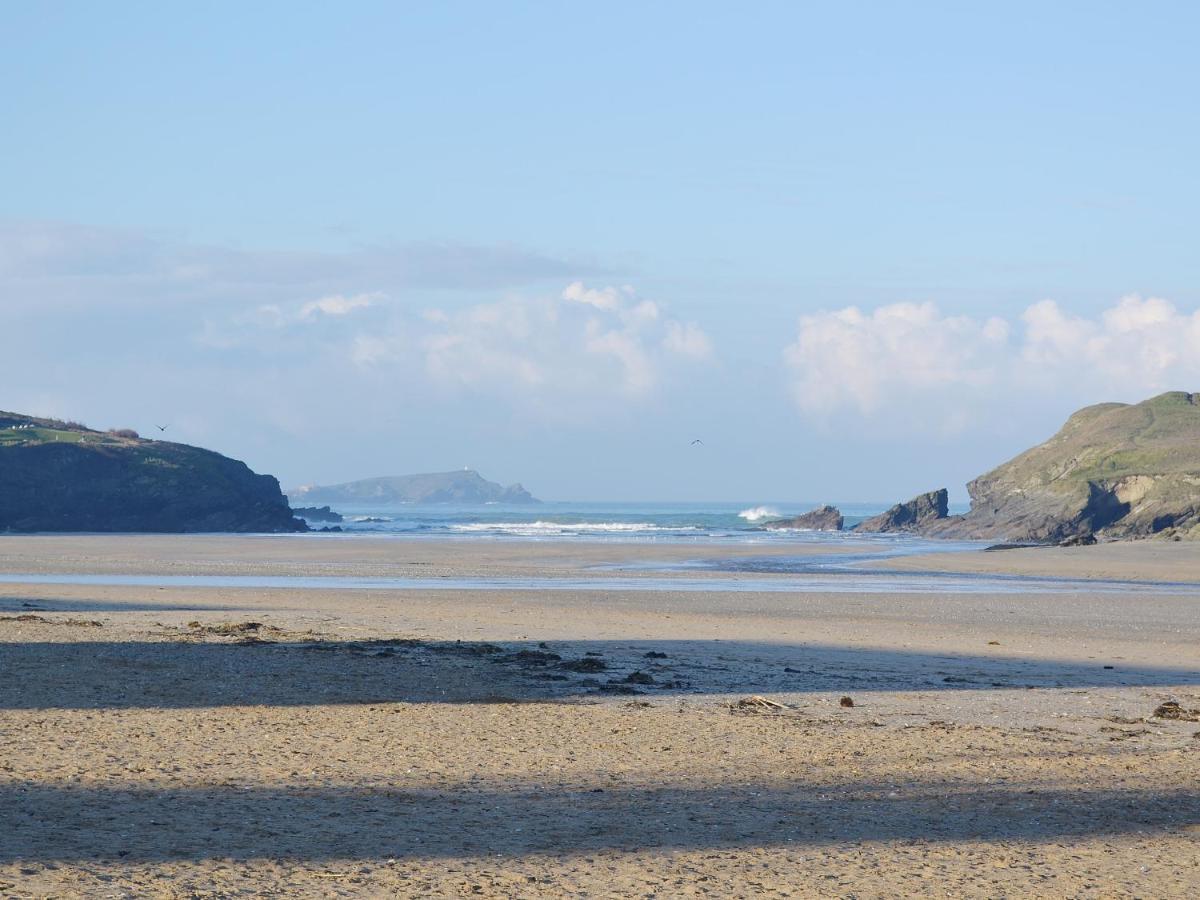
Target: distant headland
x: 464, y: 486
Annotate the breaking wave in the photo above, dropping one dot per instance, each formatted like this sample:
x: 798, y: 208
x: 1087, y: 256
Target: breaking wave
x: 758, y: 513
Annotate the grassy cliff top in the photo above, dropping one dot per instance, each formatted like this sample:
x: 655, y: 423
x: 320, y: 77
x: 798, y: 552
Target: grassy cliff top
x: 18, y: 430
x: 1109, y: 441
x: 63, y: 476
x: 25, y: 434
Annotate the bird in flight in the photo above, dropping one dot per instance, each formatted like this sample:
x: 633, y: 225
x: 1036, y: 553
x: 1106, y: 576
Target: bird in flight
x: 697, y: 441
x: 162, y: 427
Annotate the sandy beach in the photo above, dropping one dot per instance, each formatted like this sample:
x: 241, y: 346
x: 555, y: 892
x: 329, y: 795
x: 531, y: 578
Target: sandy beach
x: 165, y: 740
x: 558, y: 450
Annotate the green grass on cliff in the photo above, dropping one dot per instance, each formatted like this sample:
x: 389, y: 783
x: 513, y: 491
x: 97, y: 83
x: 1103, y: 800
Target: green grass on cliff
x: 155, y: 454
x: 1110, y: 441
x: 62, y: 476
x: 9, y: 436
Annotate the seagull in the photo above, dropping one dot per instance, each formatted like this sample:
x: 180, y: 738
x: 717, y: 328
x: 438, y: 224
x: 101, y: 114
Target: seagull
x: 697, y: 441
x: 162, y: 427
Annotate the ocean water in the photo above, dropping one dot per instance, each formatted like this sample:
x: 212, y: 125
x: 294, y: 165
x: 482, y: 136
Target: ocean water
x: 640, y: 522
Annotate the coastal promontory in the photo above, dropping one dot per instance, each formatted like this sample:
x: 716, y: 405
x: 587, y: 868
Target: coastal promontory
x: 1114, y: 470
x: 464, y: 486
x: 63, y: 476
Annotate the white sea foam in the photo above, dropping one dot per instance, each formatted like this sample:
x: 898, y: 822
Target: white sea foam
x: 758, y: 513
x: 534, y: 529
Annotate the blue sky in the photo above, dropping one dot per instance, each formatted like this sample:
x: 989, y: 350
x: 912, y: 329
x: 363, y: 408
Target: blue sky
x: 557, y: 243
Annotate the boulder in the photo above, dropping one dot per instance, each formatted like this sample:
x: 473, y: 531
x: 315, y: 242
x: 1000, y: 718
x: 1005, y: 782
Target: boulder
x: 317, y: 514
x: 823, y: 518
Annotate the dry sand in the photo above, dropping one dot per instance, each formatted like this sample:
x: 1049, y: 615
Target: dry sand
x: 417, y: 743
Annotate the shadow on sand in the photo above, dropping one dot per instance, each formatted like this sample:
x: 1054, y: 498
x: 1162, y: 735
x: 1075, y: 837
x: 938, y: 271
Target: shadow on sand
x: 249, y: 664
x: 324, y: 823
x: 17, y: 605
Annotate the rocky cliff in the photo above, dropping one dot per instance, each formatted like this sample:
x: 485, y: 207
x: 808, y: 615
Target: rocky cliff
x: 917, y: 514
x: 464, y: 486
x: 61, y: 476
x: 1115, y: 470
x: 823, y: 518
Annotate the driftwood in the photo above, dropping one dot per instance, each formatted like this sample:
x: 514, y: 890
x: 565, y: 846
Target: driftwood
x: 757, y: 702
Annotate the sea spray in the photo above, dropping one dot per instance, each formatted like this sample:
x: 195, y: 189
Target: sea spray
x: 758, y: 513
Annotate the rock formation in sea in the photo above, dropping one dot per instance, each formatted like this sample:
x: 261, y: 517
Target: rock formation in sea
x: 63, y: 476
x: 916, y: 515
x: 317, y: 514
x: 463, y: 486
x: 1114, y: 470
x: 823, y: 518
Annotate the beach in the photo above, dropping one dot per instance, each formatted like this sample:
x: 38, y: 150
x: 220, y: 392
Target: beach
x: 165, y: 739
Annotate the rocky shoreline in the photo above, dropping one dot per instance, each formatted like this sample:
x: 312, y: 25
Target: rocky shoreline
x: 1114, y: 471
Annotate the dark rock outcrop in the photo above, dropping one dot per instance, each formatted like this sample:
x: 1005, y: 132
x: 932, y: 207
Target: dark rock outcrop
x: 823, y: 518
x: 1079, y: 540
x: 317, y: 514
x: 464, y: 486
x: 1114, y: 470
x: 915, y: 515
x: 62, y: 476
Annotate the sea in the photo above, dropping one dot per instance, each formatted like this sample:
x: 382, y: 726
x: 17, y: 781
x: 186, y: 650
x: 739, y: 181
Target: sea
x: 700, y: 523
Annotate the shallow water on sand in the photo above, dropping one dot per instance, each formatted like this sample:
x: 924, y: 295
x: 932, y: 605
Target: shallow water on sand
x: 872, y: 582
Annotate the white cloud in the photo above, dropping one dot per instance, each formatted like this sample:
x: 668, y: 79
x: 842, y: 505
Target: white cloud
x: 368, y: 350
x: 569, y: 354
x: 1144, y: 343
x: 851, y: 359
x: 586, y: 342
x: 270, y: 323
x: 687, y: 339
x: 337, y: 305
x: 638, y: 371
x: 913, y: 363
x: 609, y: 298
x: 489, y: 346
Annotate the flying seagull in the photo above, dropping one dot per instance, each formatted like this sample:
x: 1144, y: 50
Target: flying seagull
x: 162, y: 427
x: 697, y: 441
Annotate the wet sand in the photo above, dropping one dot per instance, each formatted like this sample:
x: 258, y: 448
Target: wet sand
x: 206, y: 742
x: 315, y: 555
x: 1128, y: 560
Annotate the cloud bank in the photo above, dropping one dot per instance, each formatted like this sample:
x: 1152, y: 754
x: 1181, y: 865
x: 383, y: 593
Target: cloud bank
x: 582, y: 343
x: 53, y: 265
x: 910, y: 361
x: 454, y: 331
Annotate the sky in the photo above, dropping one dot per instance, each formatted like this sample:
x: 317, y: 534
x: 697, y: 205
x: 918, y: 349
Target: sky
x: 859, y: 250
